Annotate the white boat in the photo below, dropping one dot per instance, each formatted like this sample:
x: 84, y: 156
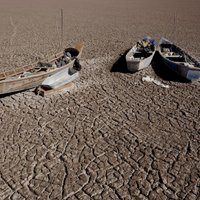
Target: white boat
x: 141, y: 55
x: 62, y: 77
x: 178, y: 60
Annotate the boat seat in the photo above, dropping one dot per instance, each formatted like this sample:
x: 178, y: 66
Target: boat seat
x: 189, y: 65
x: 175, y: 57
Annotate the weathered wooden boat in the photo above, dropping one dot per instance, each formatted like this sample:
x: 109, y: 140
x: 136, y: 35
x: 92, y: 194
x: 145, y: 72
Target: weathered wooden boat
x: 141, y: 55
x: 33, y: 75
x: 62, y: 77
x: 178, y: 60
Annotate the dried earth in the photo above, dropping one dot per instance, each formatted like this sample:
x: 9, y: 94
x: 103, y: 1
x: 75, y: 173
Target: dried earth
x: 113, y: 136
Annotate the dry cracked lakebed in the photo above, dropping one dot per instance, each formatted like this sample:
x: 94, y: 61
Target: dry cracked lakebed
x: 114, y: 135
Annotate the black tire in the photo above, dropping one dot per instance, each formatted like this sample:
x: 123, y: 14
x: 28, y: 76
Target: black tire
x: 74, y: 52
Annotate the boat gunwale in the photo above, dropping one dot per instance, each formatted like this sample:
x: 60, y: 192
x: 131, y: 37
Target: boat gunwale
x: 36, y: 75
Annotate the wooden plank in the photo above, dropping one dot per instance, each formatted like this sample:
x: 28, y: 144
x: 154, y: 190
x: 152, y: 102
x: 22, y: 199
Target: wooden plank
x: 44, y: 92
x: 2, y: 76
x: 79, y: 46
x: 14, y: 72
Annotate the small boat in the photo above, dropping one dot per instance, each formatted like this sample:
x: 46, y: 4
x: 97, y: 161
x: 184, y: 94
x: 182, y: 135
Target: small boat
x: 178, y: 60
x: 33, y: 75
x: 62, y: 77
x: 141, y: 55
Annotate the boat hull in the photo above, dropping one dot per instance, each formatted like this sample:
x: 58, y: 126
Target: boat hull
x: 182, y: 69
x: 59, y: 79
x: 134, y: 65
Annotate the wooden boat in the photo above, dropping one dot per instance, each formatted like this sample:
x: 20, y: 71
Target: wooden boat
x: 178, y: 60
x: 62, y: 77
x: 141, y: 55
x: 33, y: 75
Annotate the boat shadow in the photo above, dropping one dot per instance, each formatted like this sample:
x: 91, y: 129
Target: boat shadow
x: 120, y: 64
x: 161, y: 69
x: 7, y: 94
x: 13, y: 93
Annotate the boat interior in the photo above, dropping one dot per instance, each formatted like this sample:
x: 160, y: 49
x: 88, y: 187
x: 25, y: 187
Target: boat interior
x: 141, y: 54
x: 172, y: 53
x: 176, y: 54
x: 40, y: 67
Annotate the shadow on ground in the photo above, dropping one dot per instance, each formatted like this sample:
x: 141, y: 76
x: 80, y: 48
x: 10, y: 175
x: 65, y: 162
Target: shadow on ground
x: 120, y: 64
x: 8, y: 94
x: 17, y: 92
x: 164, y: 72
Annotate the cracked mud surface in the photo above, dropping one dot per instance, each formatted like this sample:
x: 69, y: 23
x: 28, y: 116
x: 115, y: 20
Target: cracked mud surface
x: 113, y: 136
